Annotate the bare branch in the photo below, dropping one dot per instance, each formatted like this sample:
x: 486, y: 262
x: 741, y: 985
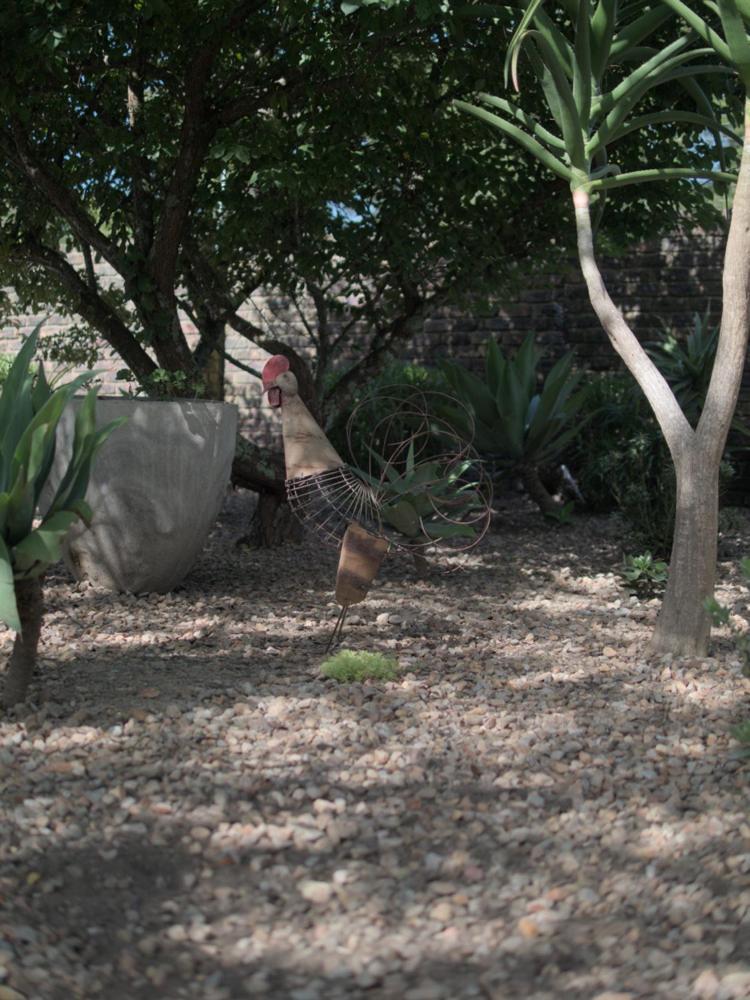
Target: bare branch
x: 90, y: 305
x: 674, y: 425
x: 19, y: 153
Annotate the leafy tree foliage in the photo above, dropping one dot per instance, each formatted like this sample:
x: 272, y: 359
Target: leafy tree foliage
x: 205, y: 150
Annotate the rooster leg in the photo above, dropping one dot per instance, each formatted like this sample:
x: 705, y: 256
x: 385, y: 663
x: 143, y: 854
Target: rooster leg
x: 338, y: 628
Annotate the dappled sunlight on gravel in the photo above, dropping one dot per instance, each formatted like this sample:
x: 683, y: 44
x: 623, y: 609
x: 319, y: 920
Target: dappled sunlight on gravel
x: 532, y: 810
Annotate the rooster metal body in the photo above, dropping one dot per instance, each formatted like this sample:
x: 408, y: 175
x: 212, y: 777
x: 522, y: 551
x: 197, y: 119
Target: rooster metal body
x: 324, y: 491
x: 420, y: 496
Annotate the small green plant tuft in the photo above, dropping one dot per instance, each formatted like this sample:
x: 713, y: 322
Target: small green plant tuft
x: 721, y: 615
x: 562, y: 516
x: 357, y: 665
x: 741, y: 733
x: 643, y: 574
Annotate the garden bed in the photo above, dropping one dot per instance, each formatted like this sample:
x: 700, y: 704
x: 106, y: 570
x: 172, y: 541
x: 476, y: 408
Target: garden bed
x: 532, y: 810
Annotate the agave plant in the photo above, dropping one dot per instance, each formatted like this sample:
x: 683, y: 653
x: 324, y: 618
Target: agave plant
x: 687, y: 364
x: 521, y: 421
x: 30, y: 409
x: 433, y: 500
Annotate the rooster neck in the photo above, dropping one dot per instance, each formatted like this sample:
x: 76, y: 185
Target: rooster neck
x: 307, y: 450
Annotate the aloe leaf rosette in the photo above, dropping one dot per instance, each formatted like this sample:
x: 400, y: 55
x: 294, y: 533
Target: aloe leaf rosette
x: 519, y: 417
x: 430, y: 483
x: 30, y: 410
x: 571, y: 47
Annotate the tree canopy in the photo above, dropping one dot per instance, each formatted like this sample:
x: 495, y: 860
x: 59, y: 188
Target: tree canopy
x: 205, y: 150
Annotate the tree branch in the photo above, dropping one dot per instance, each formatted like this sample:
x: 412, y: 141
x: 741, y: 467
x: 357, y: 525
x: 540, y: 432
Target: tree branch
x: 143, y: 209
x: 195, y: 136
x: 674, y: 425
x: 731, y: 350
x: 22, y: 157
x: 398, y: 329
x: 90, y: 305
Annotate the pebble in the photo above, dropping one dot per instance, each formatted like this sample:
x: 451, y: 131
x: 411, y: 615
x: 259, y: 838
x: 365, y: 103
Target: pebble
x: 316, y: 892
x: 532, y: 802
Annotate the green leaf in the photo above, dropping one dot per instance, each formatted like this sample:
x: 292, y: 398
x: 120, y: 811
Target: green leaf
x: 664, y: 118
x: 82, y: 510
x: 530, y: 144
x: 442, y: 529
x: 403, y: 518
x: 602, y: 30
x: 525, y: 364
x: 8, y: 606
x: 17, y: 376
x: 41, y: 391
x: 526, y: 119
x: 582, y: 83
x: 410, y: 459
x: 494, y: 366
x: 514, y: 46
x: 42, y: 547
x: 635, y: 31
x: 737, y: 40
x: 571, y: 121
x: 471, y: 391
x: 657, y: 174
x: 701, y: 28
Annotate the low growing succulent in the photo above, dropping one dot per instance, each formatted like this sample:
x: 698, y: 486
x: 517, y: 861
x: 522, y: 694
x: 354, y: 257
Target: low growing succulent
x: 643, y: 574
x: 435, y: 499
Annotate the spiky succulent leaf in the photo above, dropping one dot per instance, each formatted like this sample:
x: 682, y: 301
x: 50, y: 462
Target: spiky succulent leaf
x: 8, y: 606
x: 42, y: 546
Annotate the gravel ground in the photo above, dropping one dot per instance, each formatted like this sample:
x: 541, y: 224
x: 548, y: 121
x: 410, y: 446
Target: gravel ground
x: 531, y: 811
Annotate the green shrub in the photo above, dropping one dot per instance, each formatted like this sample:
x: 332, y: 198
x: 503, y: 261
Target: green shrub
x: 372, y: 405
x: 6, y: 364
x: 620, y: 461
x: 686, y: 363
x: 721, y: 615
x: 644, y: 575
x: 358, y: 665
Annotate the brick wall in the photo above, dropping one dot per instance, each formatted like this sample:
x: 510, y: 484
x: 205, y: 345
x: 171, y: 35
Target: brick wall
x: 668, y: 279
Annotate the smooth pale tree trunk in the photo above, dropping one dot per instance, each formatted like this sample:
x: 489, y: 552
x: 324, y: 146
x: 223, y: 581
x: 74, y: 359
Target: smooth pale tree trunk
x: 20, y: 670
x: 683, y: 625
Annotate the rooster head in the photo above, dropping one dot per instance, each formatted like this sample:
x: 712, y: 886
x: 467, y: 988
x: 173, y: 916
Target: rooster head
x: 278, y: 379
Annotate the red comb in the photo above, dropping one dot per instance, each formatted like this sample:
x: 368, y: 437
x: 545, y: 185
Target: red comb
x: 274, y: 367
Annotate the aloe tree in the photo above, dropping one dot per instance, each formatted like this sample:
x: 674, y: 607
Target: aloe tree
x: 571, y: 56
x: 30, y: 410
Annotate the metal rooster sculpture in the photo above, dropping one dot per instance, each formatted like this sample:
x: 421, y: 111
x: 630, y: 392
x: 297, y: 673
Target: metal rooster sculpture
x: 411, y: 503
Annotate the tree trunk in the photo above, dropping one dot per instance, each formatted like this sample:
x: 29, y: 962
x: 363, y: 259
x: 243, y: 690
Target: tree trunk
x: 683, y: 625
x: 272, y: 523
x: 537, y: 491
x: 29, y: 598
x: 214, y: 375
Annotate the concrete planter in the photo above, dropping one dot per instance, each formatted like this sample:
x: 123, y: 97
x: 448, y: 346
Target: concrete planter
x: 156, y: 489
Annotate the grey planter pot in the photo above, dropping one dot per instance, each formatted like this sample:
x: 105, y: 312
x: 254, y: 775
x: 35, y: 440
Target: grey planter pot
x: 156, y: 489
